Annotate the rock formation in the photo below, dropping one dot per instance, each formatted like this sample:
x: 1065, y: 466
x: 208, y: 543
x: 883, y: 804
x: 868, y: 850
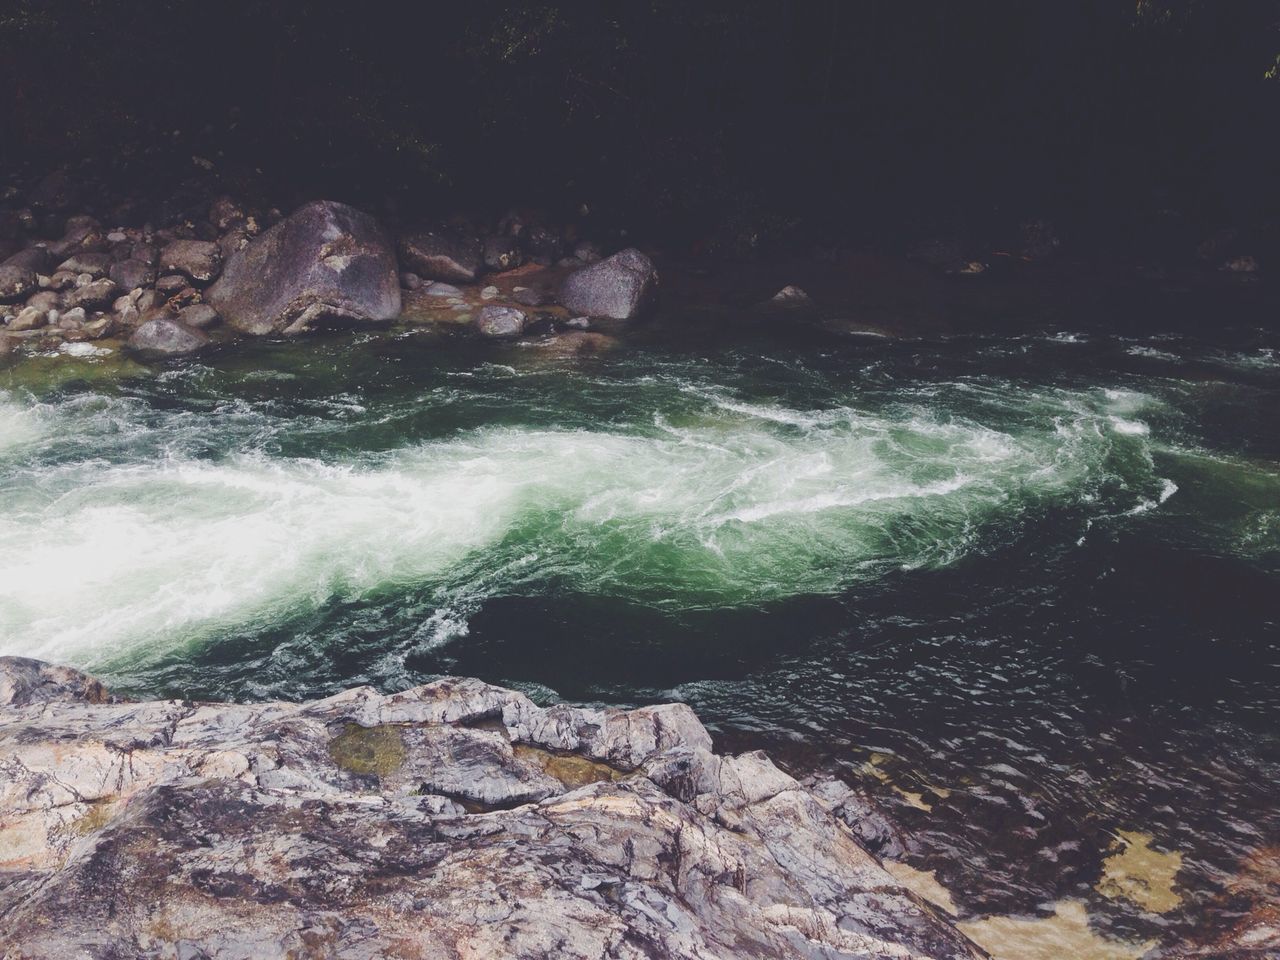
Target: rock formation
x: 453, y: 820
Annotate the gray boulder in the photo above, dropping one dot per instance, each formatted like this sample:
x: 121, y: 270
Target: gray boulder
x: 327, y: 263
x: 439, y: 256
x: 198, y: 316
x: 163, y: 337
x: 37, y: 259
x: 200, y: 260
x: 497, y: 321
x: 619, y: 287
x: 99, y: 293
x: 94, y: 264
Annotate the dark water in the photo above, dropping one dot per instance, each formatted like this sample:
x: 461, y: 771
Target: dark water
x: 1021, y: 589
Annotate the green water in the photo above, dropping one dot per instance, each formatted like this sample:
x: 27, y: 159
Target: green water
x: 1037, y: 573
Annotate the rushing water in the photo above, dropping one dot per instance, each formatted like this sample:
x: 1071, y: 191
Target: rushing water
x: 1022, y: 589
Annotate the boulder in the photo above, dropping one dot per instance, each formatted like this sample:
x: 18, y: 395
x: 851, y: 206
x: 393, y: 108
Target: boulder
x: 162, y: 338
x: 790, y: 296
x: 619, y: 287
x: 131, y: 274
x: 441, y: 256
x: 29, y: 318
x: 327, y: 263
x: 451, y: 820
x: 16, y: 282
x: 495, y: 321
x: 531, y: 297
x: 199, y: 260
x: 543, y: 245
x: 37, y: 259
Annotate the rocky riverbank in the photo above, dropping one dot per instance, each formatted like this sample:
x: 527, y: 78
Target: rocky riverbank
x: 452, y: 820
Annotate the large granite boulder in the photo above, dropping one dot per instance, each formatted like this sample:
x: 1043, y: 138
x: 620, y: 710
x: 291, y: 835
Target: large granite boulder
x: 454, y: 820
x: 328, y: 264
x: 619, y: 287
x: 442, y: 256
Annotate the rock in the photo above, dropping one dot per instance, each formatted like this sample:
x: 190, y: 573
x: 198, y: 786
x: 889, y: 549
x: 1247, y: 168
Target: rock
x: 327, y: 263
x: 588, y: 252
x: 57, y: 191
x: 495, y: 321
x: 83, y: 235
x: 578, y: 323
x: 130, y: 274
x: 439, y: 256
x: 37, y: 259
x: 790, y: 296
x: 452, y: 820
x: 543, y: 245
x: 438, y: 289
x: 577, y: 343
x: 619, y: 287
x: 488, y: 293
x: 16, y: 282
x: 171, y: 283
x: 198, y: 316
x: 162, y: 338
x: 100, y: 326
x: 45, y: 300
x: 99, y: 293
x: 502, y: 253
x: 1245, y: 264
x: 28, y: 318
x: 225, y: 213
x: 531, y: 297
x: 410, y: 281
x: 94, y: 264
x: 62, y: 280
x: 200, y: 260
x: 72, y: 319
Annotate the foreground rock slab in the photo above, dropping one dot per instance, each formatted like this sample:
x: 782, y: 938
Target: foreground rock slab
x: 453, y: 820
x: 327, y: 264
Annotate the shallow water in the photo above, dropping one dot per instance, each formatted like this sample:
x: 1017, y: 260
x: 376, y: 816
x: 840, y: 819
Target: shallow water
x: 1021, y: 589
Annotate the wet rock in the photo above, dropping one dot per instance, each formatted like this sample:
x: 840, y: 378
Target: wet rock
x: 439, y: 289
x: 83, y: 235
x: 502, y: 253
x: 72, y: 319
x: 790, y: 296
x: 16, y: 282
x: 620, y: 287
x: 37, y: 259
x: 171, y: 283
x: 28, y: 318
x: 94, y: 264
x: 489, y: 293
x: 130, y: 274
x: 45, y: 300
x: 198, y: 316
x: 531, y: 297
x: 162, y: 338
x: 354, y: 826
x: 326, y: 264
x: 102, y: 325
x: 198, y: 260
x: 543, y: 245
x: 410, y: 281
x: 441, y: 256
x: 99, y: 293
x: 495, y: 321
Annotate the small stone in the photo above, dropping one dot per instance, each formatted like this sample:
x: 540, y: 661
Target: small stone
x: 494, y: 321
x: 171, y: 284
x: 72, y: 319
x: 1244, y: 264
x: 62, y: 280
x: 130, y: 274
x: 100, y: 326
x: 439, y: 289
x: 117, y: 236
x: 578, y: 323
x: 410, y: 280
x: 587, y: 251
x: 93, y: 264
x: 530, y: 297
x: 488, y: 293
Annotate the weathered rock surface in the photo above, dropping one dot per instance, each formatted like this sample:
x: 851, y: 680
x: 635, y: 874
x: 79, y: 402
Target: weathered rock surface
x: 620, y: 287
x: 327, y: 264
x: 198, y: 260
x: 453, y: 820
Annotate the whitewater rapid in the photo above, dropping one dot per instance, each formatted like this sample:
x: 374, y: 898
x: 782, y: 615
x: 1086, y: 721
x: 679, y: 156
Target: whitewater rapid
x: 130, y: 528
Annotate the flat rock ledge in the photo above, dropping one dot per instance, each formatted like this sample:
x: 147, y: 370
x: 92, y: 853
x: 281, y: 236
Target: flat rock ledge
x: 453, y: 820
